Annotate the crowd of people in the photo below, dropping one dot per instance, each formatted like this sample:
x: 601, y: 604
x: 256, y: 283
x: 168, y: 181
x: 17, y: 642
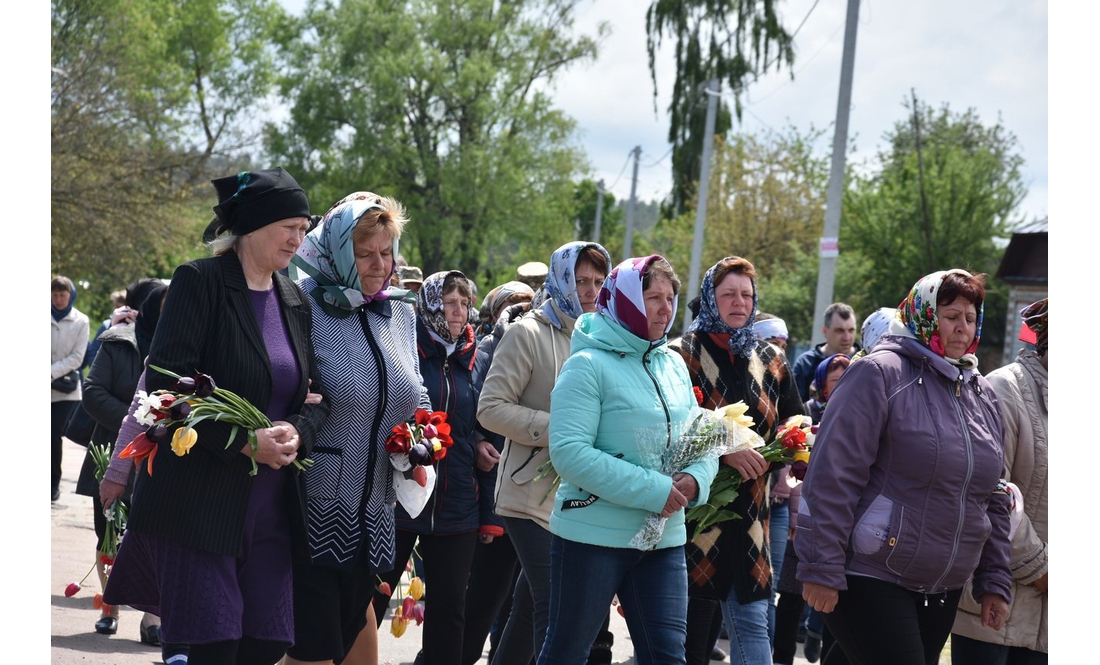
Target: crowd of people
x: 921, y: 516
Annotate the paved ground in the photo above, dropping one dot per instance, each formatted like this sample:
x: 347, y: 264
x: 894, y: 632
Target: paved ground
x: 73, y: 637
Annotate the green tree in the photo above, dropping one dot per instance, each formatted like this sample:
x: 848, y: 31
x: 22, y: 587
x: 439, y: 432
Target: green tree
x: 734, y: 41
x: 951, y: 204
x: 444, y: 105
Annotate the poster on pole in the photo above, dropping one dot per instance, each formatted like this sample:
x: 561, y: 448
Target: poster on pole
x: 830, y: 248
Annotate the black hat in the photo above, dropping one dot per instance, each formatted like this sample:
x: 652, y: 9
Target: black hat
x: 253, y: 199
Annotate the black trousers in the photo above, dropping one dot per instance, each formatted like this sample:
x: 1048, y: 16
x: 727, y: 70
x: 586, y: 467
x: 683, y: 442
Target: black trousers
x: 491, y: 582
x: 447, y: 563
x: 704, y: 624
x: 59, y: 416
x: 878, y: 622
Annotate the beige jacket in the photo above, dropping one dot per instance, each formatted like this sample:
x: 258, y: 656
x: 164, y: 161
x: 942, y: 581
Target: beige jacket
x: 1022, y: 391
x: 515, y: 402
x: 68, y: 341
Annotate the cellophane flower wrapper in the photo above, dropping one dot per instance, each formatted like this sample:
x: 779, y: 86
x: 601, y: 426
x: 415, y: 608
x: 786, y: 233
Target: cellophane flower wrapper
x: 710, y: 434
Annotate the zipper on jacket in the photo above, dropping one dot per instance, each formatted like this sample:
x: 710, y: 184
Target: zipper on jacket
x: 965, y: 487
x: 958, y: 384
x: 446, y: 381
x: 661, y: 396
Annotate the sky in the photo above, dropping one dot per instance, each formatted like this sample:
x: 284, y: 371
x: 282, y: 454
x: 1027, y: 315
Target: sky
x: 988, y: 55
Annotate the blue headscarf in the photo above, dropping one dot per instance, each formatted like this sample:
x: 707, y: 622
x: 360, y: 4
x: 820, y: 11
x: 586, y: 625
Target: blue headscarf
x: 328, y: 256
x: 743, y: 339
x: 561, y: 280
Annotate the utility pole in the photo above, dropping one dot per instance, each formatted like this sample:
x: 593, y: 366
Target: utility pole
x: 629, y: 242
x: 701, y: 204
x: 599, y: 209
x: 830, y: 248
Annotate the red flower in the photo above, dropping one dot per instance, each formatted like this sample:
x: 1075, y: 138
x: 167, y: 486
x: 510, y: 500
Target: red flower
x: 72, y: 589
x: 400, y: 440
x: 139, y: 449
x: 407, y: 606
x: 384, y: 589
x: 420, y: 476
x: 794, y: 439
x: 422, y: 417
x: 106, y: 560
x: 798, y: 469
x: 418, y: 613
x: 698, y: 394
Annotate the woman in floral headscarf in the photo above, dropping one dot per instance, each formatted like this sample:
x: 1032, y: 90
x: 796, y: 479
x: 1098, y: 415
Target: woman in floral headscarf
x: 903, y: 499
x: 364, y: 337
x: 515, y: 402
x: 729, y: 364
x: 620, y: 403
x: 459, y: 511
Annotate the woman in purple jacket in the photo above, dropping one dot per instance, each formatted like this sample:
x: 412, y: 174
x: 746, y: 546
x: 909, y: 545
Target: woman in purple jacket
x: 903, y: 499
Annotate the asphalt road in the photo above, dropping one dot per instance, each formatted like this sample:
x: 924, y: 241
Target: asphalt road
x: 73, y: 639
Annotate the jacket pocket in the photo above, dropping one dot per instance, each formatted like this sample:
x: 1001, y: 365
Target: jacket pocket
x: 874, y: 529
x: 323, y: 477
x: 529, y: 469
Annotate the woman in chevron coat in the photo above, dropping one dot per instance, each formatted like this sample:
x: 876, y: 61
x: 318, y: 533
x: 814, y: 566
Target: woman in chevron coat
x: 364, y: 336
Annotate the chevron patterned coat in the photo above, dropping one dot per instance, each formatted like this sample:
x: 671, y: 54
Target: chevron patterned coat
x: 371, y: 374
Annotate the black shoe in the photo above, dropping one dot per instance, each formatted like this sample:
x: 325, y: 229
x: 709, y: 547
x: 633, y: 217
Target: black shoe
x: 150, y: 635
x: 717, y: 654
x: 812, y: 650
x: 106, y: 626
x: 801, y: 636
x: 55, y: 494
x: 599, y: 654
x: 173, y: 654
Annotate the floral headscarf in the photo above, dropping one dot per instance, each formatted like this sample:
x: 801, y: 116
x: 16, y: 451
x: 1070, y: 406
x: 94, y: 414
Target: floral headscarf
x: 1035, y: 318
x: 876, y: 325
x: 430, y: 304
x: 743, y: 339
x: 621, y: 296
x: 822, y: 372
x: 328, y: 256
x: 918, y: 313
x: 561, y: 280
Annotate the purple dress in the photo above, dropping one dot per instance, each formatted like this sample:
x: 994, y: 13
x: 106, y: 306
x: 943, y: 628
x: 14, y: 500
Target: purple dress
x: 203, y: 597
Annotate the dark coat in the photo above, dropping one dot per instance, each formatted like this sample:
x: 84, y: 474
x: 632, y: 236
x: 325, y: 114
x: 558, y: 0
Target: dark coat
x: 208, y: 326
x: 108, y: 391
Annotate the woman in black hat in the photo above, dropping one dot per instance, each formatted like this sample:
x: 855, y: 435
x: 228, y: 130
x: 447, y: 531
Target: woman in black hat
x: 208, y: 546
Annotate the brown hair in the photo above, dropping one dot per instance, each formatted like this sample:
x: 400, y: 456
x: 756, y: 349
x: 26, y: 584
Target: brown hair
x: 954, y: 285
x: 843, y: 310
x: 661, y: 268
x: 61, y: 283
x: 594, y: 257
x: 734, y: 264
x: 456, y: 281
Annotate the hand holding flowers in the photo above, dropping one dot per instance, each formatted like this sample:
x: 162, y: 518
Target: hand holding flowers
x: 424, y: 441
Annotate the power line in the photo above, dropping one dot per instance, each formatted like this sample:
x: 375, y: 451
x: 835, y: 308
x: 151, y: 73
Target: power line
x: 659, y: 159
x: 622, y: 170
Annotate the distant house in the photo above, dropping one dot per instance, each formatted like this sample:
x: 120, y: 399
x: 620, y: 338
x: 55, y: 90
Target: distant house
x: 1024, y: 269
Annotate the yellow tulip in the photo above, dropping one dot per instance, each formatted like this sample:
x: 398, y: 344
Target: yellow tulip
x: 416, y: 588
x: 399, y: 624
x: 736, y: 413
x: 801, y: 456
x: 183, y: 440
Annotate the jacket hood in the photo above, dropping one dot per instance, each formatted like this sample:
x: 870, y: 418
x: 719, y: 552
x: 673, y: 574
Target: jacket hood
x: 120, y: 333
x: 567, y: 322
x: 598, y: 331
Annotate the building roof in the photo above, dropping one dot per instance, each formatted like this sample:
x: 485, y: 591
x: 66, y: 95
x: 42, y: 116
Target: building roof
x: 1025, y: 259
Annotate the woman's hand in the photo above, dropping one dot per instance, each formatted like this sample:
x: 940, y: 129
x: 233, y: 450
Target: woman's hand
x: 311, y: 397
x: 109, y: 492
x: 487, y: 456
x: 819, y: 597
x: 275, y: 446
x: 994, y: 611
x: 687, y: 485
x: 749, y: 463
x: 1041, y: 583
x: 676, y: 501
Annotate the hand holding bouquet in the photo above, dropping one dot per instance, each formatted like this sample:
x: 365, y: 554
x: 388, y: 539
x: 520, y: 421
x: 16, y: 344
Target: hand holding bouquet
x: 415, y: 445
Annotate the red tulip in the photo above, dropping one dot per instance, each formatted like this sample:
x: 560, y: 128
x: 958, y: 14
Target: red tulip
x: 72, y: 589
x: 422, y: 417
x: 420, y: 476
x: 698, y: 394
x: 385, y: 590
x: 407, y: 606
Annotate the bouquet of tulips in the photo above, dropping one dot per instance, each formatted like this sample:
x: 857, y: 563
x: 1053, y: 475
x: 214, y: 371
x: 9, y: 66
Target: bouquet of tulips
x: 792, y: 443
x: 710, y: 434
x: 112, y: 535
x: 193, y: 400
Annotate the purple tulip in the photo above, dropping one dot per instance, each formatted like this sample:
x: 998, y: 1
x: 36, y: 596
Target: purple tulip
x: 157, y: 433
x: 420, y: 454
x: 180, y: 410
x: 204, y: 385
x: 185, y: 385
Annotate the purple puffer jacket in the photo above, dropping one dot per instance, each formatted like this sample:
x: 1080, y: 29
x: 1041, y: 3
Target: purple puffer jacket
x: 902, y: 478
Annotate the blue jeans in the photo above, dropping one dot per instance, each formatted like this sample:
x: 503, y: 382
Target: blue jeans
x: 522, y: 636
x: 652, y: 589
x: 778, y: 532
x: 748, y: 628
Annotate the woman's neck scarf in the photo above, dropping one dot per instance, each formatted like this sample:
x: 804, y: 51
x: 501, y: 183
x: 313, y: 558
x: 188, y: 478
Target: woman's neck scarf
x: 59, y: 314
x: 1035, y: 318
x: 430, y: 305
x: 621, y: 297
x: 328, y: 256
x: 743, y: 339
x: 918, y: 313
x: 561, y: 280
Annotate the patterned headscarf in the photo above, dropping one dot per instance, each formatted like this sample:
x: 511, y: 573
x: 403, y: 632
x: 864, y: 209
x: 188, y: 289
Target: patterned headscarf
x: 1035, y: 318
x: 621, y: 297
x: 561, y: 280
x: 743, y: 339
x: 771, y: 329
x: 430, y: 304
x: 328, y: 256
x: 822, y: 372
x: 876, y: 325
x: 918, y: 313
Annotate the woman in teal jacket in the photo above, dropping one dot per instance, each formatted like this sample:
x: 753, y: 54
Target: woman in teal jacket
x: 618, y: 407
